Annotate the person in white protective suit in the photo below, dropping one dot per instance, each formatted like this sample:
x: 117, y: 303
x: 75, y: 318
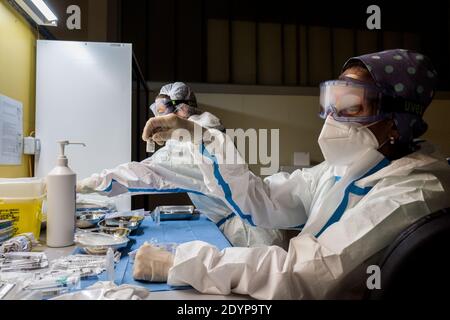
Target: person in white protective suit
x: 376, y: 180
x: 174, y: 161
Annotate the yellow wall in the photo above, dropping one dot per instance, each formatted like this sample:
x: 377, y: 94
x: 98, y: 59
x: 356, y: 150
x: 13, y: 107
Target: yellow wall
x: 17, y: 73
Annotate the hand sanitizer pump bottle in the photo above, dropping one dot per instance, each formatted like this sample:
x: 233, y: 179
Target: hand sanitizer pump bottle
x: 61, y: 201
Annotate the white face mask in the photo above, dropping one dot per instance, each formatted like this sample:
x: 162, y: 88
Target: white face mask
x: 343, y: 143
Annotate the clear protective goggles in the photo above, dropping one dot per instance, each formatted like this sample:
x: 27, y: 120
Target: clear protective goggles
x: 163, y: 106
x: 350, y: 100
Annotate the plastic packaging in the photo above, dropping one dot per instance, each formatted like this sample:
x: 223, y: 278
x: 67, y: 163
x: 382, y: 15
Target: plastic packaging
x: 110, y: 265
x: 91, y: 202
x: 5, y: 288
x: 132, y: 213
x: 156, y: 216
x: 22, y: 261
x: 21, y: 243
x: 162, y: 213
x: 105, y: 290
x: 16, y: 291
x: 54, y: 282
x: 167, y: 246
x: 6, y: 230
x: 50, y: 285
x: 83, y: 264
x: 61, y: 196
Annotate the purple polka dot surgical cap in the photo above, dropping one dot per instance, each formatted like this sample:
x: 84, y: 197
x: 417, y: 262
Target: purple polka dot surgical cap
x: 405, y: 74
x: 402, y: 73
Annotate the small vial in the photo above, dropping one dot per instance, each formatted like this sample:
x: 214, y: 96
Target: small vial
x: 151, y: 146
x: 156, y: 216
x: 110, y: 265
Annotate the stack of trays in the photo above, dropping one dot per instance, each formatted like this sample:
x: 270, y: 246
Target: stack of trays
x: 99, y: 242
x: 176, y: 213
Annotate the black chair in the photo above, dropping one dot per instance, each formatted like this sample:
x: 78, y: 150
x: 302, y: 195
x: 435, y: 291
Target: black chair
x: 416, y: 265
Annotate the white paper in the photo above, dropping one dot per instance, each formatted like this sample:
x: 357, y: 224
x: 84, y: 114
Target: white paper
x: 11, y: 131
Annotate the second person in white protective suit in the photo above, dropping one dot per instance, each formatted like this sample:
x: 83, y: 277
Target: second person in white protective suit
x: 174, y: 162
x: 376, y: 180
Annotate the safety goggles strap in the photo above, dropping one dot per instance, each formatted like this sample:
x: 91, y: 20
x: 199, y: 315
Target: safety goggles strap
x: 174, y: 103
x: 398, y: 104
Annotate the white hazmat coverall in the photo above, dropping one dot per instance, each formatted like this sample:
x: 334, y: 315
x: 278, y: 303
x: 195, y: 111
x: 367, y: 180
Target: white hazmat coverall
x: 350, y: 214
x: 170, y: 170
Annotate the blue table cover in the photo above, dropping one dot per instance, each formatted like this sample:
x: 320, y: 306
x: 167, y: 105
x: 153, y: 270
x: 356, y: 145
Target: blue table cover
x: 178, y: 231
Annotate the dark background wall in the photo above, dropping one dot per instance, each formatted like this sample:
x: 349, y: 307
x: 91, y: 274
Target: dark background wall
x: 274, y: 42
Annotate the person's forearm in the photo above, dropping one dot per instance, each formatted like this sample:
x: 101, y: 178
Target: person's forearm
x: 261, y: 272
x: 140, y: 178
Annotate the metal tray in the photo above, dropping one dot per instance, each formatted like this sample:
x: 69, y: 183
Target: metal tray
x: 176, y: 213
x: 98, y: 243
x: 89, y: 219
x: 129, y: 222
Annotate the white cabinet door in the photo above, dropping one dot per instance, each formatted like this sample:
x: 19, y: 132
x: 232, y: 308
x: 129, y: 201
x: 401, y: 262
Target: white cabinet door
x: 83, y: 94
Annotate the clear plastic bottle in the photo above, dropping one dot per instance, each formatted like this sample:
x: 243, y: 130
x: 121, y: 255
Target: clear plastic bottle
x: 110, y: 265
x: 151, y: 146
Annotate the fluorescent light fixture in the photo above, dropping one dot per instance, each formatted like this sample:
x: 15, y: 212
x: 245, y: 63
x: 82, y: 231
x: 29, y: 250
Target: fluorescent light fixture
x: 48, y: 14
x: 38, y: 11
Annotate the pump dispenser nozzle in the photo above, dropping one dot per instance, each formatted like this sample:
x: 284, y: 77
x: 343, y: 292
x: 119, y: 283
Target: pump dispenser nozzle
x: 62, y: 159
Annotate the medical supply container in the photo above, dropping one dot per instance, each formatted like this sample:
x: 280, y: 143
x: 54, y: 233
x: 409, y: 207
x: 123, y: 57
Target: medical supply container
x: 21, y: 201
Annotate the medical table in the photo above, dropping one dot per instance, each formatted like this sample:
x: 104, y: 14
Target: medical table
x: 178, y: 231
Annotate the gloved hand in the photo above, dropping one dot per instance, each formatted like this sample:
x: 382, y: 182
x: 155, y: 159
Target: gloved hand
x: 81, y: 187
x: 88, y: 185
x: 152, y: 264
x: 162, y: 128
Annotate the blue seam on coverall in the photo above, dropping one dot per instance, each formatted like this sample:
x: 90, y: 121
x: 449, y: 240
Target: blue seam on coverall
x: 352, y: 188
x: 223, y: 220
x: 225, y: 187
x: 135, y: 190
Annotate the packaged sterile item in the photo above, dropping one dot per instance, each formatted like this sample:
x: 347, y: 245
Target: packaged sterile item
x: 162, y: 213
x: 110, y: 265
x: 21, y: 243
x: 5, y: 288
x: 22, y: 261
x: 167, y: 246
x: 6, y: 230
x: 51, y: 285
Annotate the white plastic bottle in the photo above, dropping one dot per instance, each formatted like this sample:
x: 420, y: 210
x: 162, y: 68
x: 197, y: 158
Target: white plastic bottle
x: 61, y: 201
